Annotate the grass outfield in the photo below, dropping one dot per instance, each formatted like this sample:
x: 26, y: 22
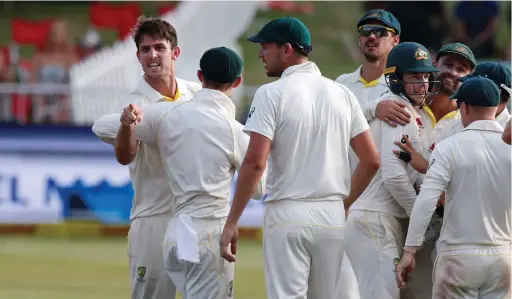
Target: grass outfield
x: 50, y: 268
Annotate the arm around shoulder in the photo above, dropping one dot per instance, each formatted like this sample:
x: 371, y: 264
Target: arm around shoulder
x: 107, y: 127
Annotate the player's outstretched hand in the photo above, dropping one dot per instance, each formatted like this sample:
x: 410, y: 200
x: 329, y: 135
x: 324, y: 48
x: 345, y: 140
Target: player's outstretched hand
x: 131, y: 115
x: 416, y: 159
x: 403, y: 268
x: 392, y: 112
x: 228, y: 242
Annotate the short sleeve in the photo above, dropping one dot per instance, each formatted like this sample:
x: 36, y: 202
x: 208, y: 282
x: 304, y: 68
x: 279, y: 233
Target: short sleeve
x: 359, y: 123
x: 262, y: 115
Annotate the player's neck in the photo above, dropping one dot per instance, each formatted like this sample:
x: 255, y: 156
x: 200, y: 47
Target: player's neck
x: 165, y: 86
x: 442, y: 105
x: 371, y: 71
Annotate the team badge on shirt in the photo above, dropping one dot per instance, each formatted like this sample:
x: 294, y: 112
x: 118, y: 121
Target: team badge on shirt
x: 141, y: 272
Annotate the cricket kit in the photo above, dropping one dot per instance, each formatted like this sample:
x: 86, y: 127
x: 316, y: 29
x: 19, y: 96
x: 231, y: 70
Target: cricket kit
x: 475, y: 242
x: 311, y: 121
x: 420, y: 285
x: 447, y: 126
x: 152, y: 203
x: 201, y: 144
x: 375, y: 228
x: 366, y: 93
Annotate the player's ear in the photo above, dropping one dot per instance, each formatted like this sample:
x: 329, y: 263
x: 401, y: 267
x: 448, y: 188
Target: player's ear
x: 237, y: 82
x: 138, y: 56
x: 396, y: 39
x: 176, y: 53
x: 200, y: 76
x: 288, y: 49
x: 434, y: 63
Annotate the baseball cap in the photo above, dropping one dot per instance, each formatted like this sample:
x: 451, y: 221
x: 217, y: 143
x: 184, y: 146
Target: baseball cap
x: 285, y: 30
x: 221, y: 65
x: 383, y: 16
x: 495, y: 71
x: 458, y: 49
x: 478, y: 91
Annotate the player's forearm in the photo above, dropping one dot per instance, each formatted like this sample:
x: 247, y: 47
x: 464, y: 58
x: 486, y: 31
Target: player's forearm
x: 424, y: 207
x: 107, y: 127
x: 361, y: 178
x: 248, y: 179
x: 126, y: 145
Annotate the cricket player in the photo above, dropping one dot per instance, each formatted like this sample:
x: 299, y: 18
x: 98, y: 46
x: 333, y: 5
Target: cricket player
x: 475, y: 242
x: 499, y: 74
x: 200, y: 145
x: 374, y: 231
x: 379, y: 32
x: 454, y: 61
x: 305, y: 123
x: 157, y: 51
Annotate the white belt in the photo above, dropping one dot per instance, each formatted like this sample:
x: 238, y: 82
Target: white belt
x: 186, y: 240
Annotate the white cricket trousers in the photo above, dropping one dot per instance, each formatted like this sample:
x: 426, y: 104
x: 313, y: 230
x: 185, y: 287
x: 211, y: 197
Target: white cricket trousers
x: 303, y: 248
x: 373, y: 240
x: 420, y: 285
x: 149, y: 280
x: 210, y: 278
x: 472, y: 272
x: 347, y: 287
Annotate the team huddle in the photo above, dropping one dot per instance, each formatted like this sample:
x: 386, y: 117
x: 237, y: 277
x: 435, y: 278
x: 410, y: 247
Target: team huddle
x: 391, y: 182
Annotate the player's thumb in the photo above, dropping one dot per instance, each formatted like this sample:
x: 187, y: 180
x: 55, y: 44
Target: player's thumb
x: 132, y: 106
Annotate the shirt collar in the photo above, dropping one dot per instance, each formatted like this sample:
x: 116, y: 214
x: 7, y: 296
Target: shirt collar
x: 306, y: 67
x: 356, y: 77
x: 209, y: 96
x: 485, y: 125
x: 154, y: 96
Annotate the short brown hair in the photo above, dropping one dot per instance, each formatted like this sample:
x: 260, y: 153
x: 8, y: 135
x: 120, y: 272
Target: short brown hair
x: 156, y: 28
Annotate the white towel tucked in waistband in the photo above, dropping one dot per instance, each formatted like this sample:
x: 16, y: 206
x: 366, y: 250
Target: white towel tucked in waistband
x: 187, y: 240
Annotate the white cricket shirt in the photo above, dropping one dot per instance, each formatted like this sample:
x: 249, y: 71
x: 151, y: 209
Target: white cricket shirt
x: 431, y: 128
x: 456, y: 126
x: 367, y: 93
x: 200, y: 144
x: 152, y: 194
x: 392, y: 188
x: 310, y: 120
x: 474, y: 169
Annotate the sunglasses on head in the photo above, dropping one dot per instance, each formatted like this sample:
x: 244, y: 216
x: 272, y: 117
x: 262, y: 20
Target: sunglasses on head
x: 378, y: 30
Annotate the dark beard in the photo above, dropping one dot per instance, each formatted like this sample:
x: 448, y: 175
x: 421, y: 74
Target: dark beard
x: 443, y: 88
x: 370, y: 57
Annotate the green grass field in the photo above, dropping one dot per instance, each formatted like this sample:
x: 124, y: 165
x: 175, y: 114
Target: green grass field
x: 50, y: 268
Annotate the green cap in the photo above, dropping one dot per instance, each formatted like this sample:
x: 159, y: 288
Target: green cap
x: 285, y: 30
x: 382, y: 16
x: 458, y: 49
x: 221, y: 65
x: 409, y: 57
x: 478, y: 91
x: 499, y: 73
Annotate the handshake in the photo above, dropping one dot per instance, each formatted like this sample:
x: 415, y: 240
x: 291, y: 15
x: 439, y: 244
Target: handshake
x: 132, y: 115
